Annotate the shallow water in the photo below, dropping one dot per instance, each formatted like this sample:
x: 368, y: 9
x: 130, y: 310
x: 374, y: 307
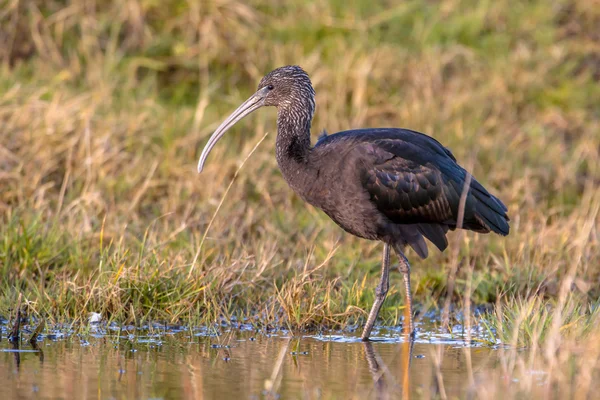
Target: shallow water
x: 174, y: 363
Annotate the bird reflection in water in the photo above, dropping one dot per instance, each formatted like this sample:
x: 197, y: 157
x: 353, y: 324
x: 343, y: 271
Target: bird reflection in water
x: 384, y: 382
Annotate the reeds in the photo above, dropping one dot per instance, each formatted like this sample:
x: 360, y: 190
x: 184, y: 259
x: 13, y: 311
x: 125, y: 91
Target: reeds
x: 104, y: 108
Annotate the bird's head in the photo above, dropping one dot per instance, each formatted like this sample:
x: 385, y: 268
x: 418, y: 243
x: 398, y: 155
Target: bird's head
x: 284, y: 87
x: 287, y: 85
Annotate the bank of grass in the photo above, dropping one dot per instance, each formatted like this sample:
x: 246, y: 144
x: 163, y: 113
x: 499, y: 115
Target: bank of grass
x: 104, y: 109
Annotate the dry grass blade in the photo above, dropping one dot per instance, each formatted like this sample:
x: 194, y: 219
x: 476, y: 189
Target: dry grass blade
x: 221, y: 202
x: 39, y: 329
x: 14, y: 335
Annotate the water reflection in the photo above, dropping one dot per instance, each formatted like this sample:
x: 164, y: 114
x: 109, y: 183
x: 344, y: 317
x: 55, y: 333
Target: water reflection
x: 236, y: 364
x: 15, y: 349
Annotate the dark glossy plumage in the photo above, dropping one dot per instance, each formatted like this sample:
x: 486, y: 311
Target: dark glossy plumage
x: 393, y: 185
x: 412, y: 180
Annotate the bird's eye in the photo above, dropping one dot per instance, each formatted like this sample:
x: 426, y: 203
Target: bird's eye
x: 270, y: 87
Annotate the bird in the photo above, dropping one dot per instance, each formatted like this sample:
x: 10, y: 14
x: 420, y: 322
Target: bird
x: 392, y: 185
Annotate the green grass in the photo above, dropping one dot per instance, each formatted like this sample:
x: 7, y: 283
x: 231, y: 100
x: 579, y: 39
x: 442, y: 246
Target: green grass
x: 104, y: 110
x: 103, y: 113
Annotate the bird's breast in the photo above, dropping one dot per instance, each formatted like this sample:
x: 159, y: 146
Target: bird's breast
x: 345, y: 202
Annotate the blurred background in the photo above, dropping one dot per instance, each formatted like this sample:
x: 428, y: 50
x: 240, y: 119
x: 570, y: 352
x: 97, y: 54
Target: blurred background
x: 105, y: 106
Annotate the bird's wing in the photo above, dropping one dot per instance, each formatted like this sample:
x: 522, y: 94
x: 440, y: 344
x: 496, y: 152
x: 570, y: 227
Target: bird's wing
x: 414, y: 183
x: 406, y: 189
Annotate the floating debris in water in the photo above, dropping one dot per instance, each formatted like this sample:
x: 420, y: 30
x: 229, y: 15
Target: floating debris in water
x: 299, y: 353
x: 95, y: 318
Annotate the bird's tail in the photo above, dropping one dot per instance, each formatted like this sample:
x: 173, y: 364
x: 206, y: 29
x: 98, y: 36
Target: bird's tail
x: 489, y: 211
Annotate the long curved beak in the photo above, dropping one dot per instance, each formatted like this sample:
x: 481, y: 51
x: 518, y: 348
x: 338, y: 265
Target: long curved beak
x: 252, y: 104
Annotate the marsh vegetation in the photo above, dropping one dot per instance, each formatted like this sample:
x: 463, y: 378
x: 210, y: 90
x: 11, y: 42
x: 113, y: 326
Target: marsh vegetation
x: 104, y: 107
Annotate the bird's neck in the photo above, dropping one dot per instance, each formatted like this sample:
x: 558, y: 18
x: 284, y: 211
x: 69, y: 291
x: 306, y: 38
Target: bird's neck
x: 292, y: 146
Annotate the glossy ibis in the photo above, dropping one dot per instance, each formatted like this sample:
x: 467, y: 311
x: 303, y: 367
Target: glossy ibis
x: 393, y: 185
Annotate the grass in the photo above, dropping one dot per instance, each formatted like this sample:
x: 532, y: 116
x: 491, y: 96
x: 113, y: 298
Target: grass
x: 104, y: 110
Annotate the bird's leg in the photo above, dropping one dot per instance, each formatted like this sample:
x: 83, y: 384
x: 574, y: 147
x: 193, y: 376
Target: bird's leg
x: 404, y: 267
x: 380, y: 292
